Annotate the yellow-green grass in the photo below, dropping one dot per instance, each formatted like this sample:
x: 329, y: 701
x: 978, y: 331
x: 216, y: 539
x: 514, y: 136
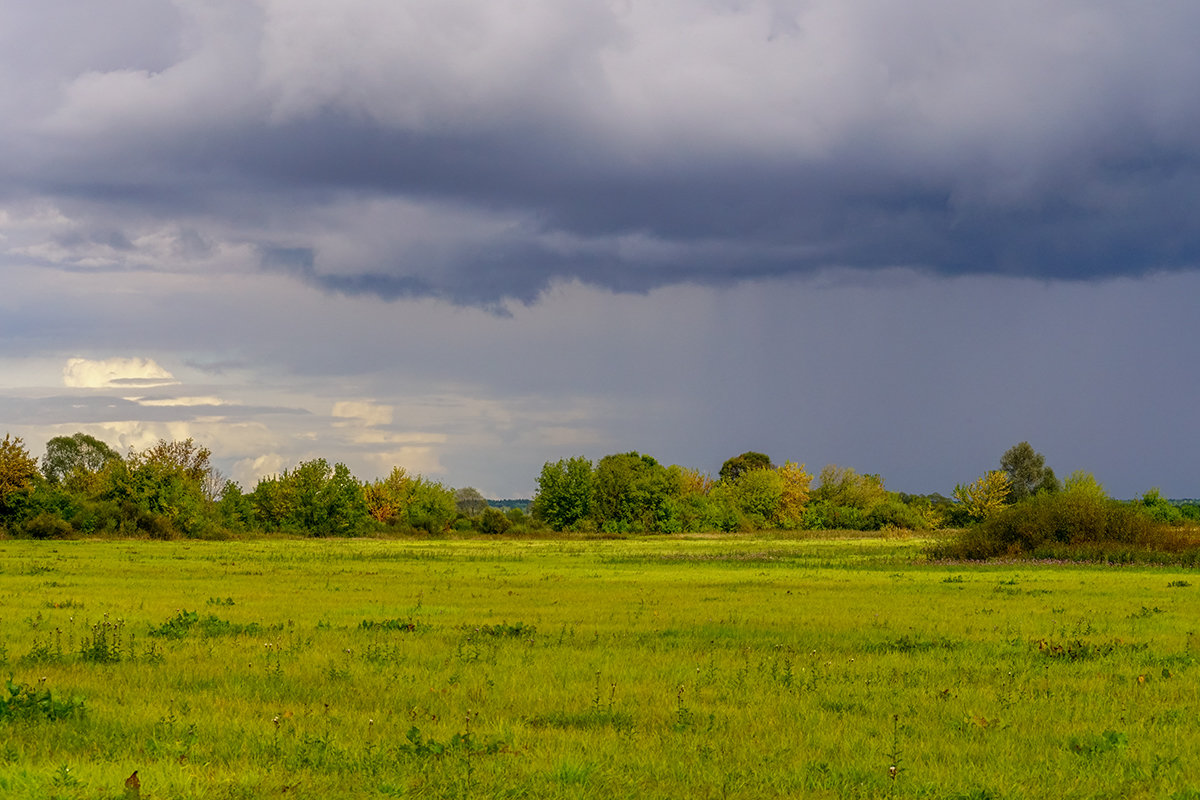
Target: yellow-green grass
x: 656, y: 667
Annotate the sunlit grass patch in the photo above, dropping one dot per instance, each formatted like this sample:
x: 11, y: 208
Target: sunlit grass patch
x: 649, y: 667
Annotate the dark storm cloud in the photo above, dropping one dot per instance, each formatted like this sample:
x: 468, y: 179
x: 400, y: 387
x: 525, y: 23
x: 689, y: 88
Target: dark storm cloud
x: 623, y: 145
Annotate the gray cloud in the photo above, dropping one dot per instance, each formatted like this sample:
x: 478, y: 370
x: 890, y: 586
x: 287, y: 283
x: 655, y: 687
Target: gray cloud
x: 923, y: 379
x: 623, y: 145
x: 900, y: 237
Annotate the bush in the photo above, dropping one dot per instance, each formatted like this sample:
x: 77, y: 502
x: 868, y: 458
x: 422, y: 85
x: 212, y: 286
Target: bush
x: 821, y: 515
x: 98, y: 517
x: 895, y: 514
x: 156, y: 526
x: 48, y: 526
x: 1159, y: 508
x: 1053, y: 525
x: 494, y: 522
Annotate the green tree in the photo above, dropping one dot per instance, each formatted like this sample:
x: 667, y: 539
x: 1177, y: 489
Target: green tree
x: 1027, y: 472
x: 234, y: 508
x: 737, y: 466
x: 758, y: 493
x: 431, y: 506
x: 76, y: 456
x: 314, y: 498
x: 1159, y: 508
x: 163, y: 490
x: 632, y: 492
x: 1081, y: 483
x: 564, y: 495
x: 470, y: 502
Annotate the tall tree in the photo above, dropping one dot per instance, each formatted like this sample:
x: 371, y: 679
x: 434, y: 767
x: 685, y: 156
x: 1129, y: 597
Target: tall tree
x: 1027, y: 472
x: 738, y: 466
x: 431, y: 506
x: 78, y: 455
x: 796, y: 489
x: 168, y: 481
x: 564, y: 495
x: 470, y: 502
x: 631, y: 492
x: 314, y: 498
x: 388, y: 498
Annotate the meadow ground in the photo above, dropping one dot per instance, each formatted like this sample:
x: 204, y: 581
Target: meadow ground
x: 653, y: 668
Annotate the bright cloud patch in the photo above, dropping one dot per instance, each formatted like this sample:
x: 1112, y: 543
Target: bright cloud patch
x: 138, y: 373
x: 248, y: 471
x: 362, y: 412
x: 181, y: 401
x: 417, y: 460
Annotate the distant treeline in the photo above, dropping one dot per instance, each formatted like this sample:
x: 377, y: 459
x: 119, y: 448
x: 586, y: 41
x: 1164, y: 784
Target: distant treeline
x: 507, y: 504
x: 82, y: 487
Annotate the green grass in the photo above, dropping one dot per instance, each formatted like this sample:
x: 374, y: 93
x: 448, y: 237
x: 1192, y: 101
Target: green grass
x: 657, y: 667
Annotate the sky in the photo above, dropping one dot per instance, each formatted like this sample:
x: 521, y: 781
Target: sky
x: 468, y: 237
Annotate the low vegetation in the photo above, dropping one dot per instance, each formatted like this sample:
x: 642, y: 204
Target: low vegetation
x: 650, y: 667
x: 83, y: 488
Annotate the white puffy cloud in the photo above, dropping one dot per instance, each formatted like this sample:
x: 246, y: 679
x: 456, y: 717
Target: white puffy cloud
x: 130, y: 373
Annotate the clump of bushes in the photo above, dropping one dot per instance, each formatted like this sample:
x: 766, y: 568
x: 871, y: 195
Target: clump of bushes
x: 1074, y: 524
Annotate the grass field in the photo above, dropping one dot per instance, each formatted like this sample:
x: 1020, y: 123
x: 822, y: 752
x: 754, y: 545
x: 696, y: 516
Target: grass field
x: 649, y: 668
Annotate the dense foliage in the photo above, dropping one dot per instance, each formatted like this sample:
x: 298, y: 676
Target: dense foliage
x: 83, y: 487
x: 1077, y: 521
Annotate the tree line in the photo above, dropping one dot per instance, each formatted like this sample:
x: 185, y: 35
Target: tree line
x: 81, y: 486
x: 84, y: 487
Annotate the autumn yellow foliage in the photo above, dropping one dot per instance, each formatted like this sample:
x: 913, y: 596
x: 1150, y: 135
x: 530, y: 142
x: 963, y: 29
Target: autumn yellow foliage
x: 388, y: 498
x: 796, y: 488
x: 693, y: 481
x: 985, y: 496
x: 17, y: 468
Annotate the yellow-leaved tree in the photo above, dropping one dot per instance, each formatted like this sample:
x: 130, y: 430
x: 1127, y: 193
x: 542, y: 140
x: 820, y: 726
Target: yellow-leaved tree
x: 986, y: 496
x: 796, y: 488
x: 17, y: 471
x: 388, y: 499
x: 693, y: 481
